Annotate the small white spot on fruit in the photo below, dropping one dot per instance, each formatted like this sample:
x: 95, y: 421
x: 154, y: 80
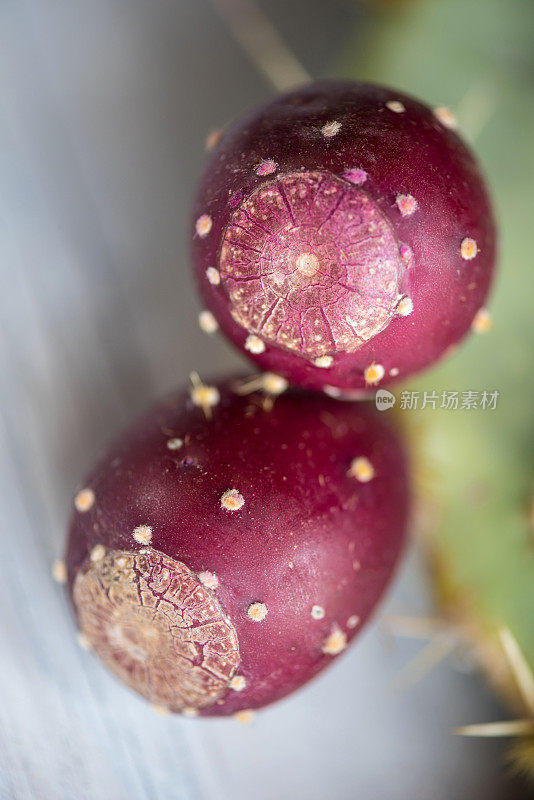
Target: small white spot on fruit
x: 396, y: 106
x: 356, y: 176
x: 356, y: 566
x: 213, y: 275
x: 353, y: 621
x: 203, y: 225
x: 317, y: 612
x: 83, y: 641
x: 407, y: 204
x: 446, y: 117
x: 208, y: 579
x: 97, y: 553
x: 468, y: 249
x: 405, y: 306
x: 332, y: 391
x: 254, y: 344
x: 212, y: 139
x: 175, y: 444
x: 232, y: 500
x: 59, y: 571
x: 274, y: 384
x: 323, y: 361
x: 206, y: 397
x: 163, y: 711
x: 143, y: 534
x: 257, y: 612
x: 394, y: 372
x: 335, y: 642
x: 237, y: 683
x: 482, y: 321
x: 331, y: 129
x: 207, y: 322
x: 84, y: 500
x: 362, y: 469
x: 266, y: 167
x: 374, y: 374
x: 244, y: 716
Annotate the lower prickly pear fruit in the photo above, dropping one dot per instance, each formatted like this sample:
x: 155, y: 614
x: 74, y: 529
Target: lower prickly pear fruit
x: 231, y: 544
x: 343, y: 236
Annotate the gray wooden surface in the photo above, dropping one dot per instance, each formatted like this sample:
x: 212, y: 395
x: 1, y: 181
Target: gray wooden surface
x: 104, y: 107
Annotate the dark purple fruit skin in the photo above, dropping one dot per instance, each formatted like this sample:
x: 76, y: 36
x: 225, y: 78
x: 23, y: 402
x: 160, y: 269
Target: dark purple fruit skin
x: 308, y: 533
x: 408, y: 153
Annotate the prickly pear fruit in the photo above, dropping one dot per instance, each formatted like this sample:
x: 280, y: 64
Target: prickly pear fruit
x: 230, y: 545
x: 342, y: 236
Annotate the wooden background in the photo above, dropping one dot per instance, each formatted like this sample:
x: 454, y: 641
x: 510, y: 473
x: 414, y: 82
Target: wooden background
x: 104, y: 107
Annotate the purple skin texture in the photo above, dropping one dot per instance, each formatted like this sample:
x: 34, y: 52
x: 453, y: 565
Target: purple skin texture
x: 347, y: 228
x: 217, y: 564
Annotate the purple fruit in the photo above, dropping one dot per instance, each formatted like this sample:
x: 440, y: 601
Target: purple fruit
x: 230, y: 544
x: 343, y: 235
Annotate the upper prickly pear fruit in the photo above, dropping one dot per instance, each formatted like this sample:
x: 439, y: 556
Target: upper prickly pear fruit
x: 343, y: 235
x: 226, y: 549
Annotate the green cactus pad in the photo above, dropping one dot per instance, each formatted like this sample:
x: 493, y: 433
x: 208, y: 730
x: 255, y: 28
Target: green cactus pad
x: 476, y: 467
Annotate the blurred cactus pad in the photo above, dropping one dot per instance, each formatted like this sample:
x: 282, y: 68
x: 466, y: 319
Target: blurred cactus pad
x: 475, y: 465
